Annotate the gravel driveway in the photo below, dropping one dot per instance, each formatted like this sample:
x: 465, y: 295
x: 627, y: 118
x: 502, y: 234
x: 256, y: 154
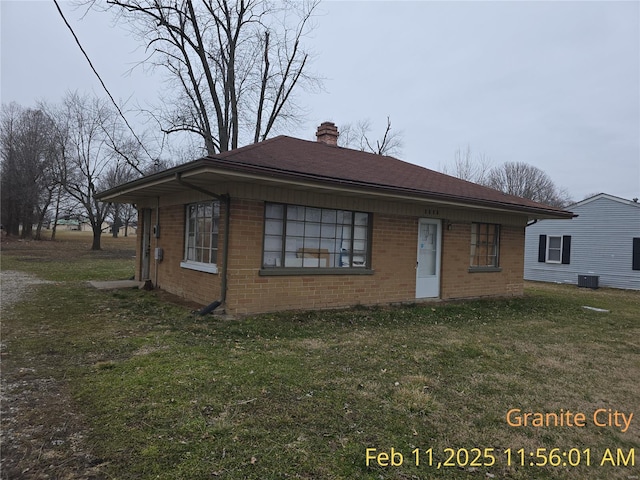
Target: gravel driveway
x: 14, y: 285
x: 41, y: 435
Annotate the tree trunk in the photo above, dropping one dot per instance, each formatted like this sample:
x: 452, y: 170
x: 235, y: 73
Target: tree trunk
x: 13, y: 226
x: 42, y: 214
x: 55, y: 218
x: 27, y: 228
x: 38, y: 235
x: 97, y: 233
x: 117, y: 223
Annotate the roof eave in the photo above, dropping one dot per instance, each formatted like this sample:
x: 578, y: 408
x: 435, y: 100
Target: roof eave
x: 257, y: 173
x: 155, y: 178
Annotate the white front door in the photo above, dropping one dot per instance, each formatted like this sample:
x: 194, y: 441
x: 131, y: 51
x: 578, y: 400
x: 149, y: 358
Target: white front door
x: 428, y: 263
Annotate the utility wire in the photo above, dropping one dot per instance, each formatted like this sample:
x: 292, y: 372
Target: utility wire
x: 105, y: 88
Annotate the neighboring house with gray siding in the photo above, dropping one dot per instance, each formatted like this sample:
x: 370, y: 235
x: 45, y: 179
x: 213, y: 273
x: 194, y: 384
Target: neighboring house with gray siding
x: 603, y: 241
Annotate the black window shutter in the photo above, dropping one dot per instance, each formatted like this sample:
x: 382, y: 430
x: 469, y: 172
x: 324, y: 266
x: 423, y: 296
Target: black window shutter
x: 566, y: 249
x: 636, y: 253
x: 542, y: 249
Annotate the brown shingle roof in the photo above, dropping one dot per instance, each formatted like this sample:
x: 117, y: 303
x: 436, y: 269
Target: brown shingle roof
x: 316, y: 160
x: 286, y: 159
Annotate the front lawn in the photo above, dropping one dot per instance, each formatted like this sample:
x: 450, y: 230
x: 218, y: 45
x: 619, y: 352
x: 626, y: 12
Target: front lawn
x: 166, y: 394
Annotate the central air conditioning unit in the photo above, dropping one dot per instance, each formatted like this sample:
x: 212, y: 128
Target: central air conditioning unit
x: 588, y: 281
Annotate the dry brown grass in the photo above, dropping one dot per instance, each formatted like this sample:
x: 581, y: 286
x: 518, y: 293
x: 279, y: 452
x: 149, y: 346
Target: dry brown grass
x: 158, y: 393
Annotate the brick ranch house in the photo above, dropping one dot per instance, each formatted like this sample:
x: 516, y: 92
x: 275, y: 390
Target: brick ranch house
x: 296, y: 224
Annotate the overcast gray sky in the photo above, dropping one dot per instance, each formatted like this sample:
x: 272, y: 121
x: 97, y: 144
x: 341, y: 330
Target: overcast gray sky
x: 553, y: 84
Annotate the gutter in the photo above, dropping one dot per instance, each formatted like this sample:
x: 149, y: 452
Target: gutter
x: 256, y: 172
x: 179, y: 179
x: 270, y: 173
x: 253, y: 172
x: 536, y: 220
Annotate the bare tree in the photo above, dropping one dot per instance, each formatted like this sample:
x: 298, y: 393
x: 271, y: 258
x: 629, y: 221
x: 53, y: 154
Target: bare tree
x: 28, y: 157
x: 527, y: 181
x: 60, y: 196
x: 129, y: 215
x: 9, y: 133
x: 358, y: 137
x: 121, y: 214
x: 92, y: 140
x: 65, y: 204
x: 466, y: 168
x: 514, y: 178
x: 234, y: 64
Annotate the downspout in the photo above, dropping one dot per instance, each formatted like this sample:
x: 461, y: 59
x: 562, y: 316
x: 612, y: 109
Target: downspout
x: 532, y: 223
x: 225, y: 256
x: 156, y: 239
x: 225, y: 247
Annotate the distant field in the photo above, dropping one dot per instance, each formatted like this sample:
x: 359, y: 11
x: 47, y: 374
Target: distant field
x: 152, y: 391
x: 70, y: 257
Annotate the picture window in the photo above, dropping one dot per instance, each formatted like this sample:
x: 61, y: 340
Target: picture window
x: 297, y: 236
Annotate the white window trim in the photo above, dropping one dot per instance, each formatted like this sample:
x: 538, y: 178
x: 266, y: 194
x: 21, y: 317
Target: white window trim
x: 192, y: 264
x: 549, y: 237
x: 199, y: 266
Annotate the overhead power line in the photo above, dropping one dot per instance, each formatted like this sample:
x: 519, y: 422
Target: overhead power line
x: 104, y: 87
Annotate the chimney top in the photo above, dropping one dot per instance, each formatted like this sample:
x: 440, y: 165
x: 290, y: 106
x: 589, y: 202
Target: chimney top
x: 328, y: 133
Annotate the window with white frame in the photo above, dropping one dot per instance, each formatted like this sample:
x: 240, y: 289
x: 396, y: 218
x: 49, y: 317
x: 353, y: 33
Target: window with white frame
x: 485, y: 245
x: 201, y: 236
x: 297, y: 236
x: 554, y: 249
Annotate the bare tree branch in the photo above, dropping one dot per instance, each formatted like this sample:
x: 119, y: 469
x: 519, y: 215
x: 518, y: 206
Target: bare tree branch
x: 358, y: 137
x: 235, y: 64
x: 466, y: 168
x: 92, y: 141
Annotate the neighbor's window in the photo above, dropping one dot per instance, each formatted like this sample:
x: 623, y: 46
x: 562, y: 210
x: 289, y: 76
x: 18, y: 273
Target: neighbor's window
x: 485, y: 245
x: 296, y: 236
x: 201, y: 236
x: 554, y: 249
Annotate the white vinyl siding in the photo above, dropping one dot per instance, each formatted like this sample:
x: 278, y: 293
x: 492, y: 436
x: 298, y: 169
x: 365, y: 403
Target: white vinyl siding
x: 601, y: 244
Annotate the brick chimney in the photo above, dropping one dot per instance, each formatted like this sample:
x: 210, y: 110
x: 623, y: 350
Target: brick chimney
x: 328, y: 133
